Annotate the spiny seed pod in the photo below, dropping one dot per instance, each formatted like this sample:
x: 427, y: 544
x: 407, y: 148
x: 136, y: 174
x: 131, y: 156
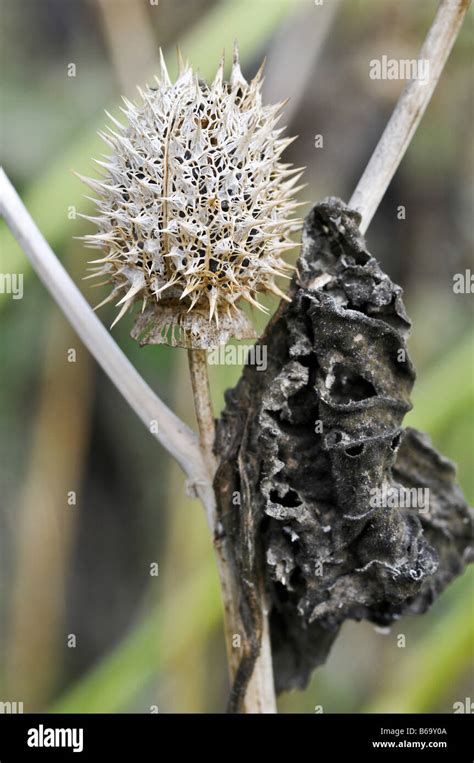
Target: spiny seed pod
x: 194, y: 207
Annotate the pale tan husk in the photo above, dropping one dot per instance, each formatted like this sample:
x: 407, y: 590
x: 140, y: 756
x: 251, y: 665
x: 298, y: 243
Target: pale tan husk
x: 194, y: 208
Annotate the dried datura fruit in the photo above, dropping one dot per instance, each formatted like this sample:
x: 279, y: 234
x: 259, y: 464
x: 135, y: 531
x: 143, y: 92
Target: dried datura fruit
x: 194, y: 207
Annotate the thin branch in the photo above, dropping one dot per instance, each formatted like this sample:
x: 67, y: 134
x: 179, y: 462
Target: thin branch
x: 260, y: 694
x: 408, y: 112
x: 202, y: 403
x: 171, y: 432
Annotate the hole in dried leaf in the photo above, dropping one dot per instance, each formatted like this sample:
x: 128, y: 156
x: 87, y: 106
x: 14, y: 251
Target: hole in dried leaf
x: 349, y: 386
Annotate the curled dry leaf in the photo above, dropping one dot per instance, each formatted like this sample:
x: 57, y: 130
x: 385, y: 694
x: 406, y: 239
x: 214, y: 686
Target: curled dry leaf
x: 356, y: 517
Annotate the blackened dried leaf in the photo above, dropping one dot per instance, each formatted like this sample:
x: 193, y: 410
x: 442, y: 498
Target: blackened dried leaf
x: 326, y: 463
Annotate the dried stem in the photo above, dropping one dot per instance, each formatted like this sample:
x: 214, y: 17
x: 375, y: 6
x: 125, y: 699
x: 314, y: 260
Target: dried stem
x: 172, y: 433
x: 408, y: 112
x: 202, y: 403
x: 260, y: 696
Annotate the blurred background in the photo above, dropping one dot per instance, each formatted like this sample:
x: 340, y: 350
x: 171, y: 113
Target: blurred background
x: 89, y: 500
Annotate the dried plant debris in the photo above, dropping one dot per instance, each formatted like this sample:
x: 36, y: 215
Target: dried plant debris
x: 358, y: 518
